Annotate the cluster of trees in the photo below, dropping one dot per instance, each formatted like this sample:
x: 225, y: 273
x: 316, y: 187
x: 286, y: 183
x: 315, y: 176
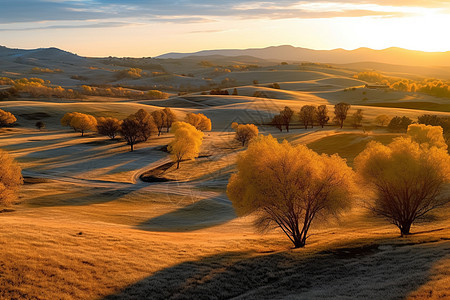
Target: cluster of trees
x: 121, y: 92
x: 38, y: 87
x: 310, y: 114
x: 245, y: 132
x: 218, y: 91
x: 38, y: 70
x: 404, y: 179
x: 428, y: 86
x: 6, y: 118
x: 132, y: 73
x: 136, y: 128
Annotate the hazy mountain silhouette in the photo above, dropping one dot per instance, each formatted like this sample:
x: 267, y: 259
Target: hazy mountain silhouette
x: 397, y: 56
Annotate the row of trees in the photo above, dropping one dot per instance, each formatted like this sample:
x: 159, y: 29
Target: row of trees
x: 310, y: 115
x: 404, y: 180
x: 136, y: 128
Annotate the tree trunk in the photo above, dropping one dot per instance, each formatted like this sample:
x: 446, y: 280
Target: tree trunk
x: 131, y: 147
x: 405, y: 229
x: 82, y: 133
x: 287, y: 127
x: 178, y: 164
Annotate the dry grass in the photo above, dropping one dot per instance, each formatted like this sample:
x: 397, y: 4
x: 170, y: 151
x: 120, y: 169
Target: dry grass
x: 85, y: 229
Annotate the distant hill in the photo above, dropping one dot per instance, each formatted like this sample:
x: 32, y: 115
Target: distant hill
x: 39, y: 56
x: 396, y: 56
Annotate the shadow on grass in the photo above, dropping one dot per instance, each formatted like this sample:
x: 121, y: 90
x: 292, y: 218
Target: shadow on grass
x: 369, y: 273
x: 79, y: 198
x: 201, y: 214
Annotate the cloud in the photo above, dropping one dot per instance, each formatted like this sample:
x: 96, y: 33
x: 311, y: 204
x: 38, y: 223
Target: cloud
x: 187, y: 11
x: 73, y: 26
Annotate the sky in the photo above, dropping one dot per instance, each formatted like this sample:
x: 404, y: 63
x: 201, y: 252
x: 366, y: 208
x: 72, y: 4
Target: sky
x: 139, y: 28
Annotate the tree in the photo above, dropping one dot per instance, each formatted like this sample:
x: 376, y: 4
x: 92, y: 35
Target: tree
x: 65, y: 120
x: 187, y: 142
x: 245, y: 133
x: 430, y: 136
x: 357, y: 118
x: 433, y: 120
x: 199, y: 121
x: 278, y: 122
x: 399, y: 124
x: 131, y: 131
x: 340, y: 112
x: 286, y: 114
x: 108, y: 126
x: 288, y: 186
x: 83, y: 122
x: 146, y: 124
x: 10, y: 178
x: 159, y: 117
x: 406, y: 179
x: 382, y: 120
x: 307, y: 115
x: 235, y: 92
x: 39, y: 125
x: 322, y: 115
x: 170, y: 117
x: 6, y: 118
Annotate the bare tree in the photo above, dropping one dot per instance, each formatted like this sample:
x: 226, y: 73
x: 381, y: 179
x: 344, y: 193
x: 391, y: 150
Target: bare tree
x: 340, y: 111
x: 307, y: 115
x: 286, y: 114
x: 322, y: 115
x: 131, y: 132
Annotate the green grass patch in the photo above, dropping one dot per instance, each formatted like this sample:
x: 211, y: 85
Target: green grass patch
x: 348, y: 145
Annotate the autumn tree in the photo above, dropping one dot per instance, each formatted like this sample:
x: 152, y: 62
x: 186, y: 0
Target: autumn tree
x: 382, y: 120
x: 322, y: 115
x: 357, y: 118
x: 131, y: 131
x: 170, y: 117
x: 278, y: 122
x: 406, y: 179
x: 146, y: 124
x: 289, y: 186
x: 199, y: 121
x: 79, y: 122
x: 427, y: 135
x: 109, y: 127
x: 187, y: 142
x: 10, y: 178
x: 340, y: 113
x: 66, y: 119
x: 245, y: 133
x: 235, y: 92
x: 399, y: 124
x: 159, y: 117
x: 286, y: 114
x: 6, y: 118
x: 307, y: 115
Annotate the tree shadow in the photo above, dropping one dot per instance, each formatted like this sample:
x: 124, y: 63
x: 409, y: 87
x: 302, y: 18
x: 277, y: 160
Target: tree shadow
x: 370, y: 273
x: 201, y: 214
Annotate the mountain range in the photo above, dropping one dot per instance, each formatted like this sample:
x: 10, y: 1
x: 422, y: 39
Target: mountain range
x: 396, y: 56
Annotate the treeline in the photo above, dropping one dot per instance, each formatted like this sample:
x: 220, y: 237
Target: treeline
x: 433, y: 87
x: 123, y: 93
x: 310, y: 115
x: 37, y: 87
x: 136, y: 128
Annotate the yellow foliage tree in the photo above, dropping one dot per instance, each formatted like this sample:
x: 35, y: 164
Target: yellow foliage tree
x: 245, y: 133
x: 406, y: 179
x: 10, y: 178
x: 187, y: 142
x: 288, y: 186
x: 6, y: 118
x: 79, y: 122
x: 199, y: 121
x: 431, y: 136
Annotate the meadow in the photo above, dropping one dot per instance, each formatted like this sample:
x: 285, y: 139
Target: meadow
x: 86, y: 226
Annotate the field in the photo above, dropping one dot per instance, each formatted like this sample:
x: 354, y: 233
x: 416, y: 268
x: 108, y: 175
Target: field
x: 86, y: 227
